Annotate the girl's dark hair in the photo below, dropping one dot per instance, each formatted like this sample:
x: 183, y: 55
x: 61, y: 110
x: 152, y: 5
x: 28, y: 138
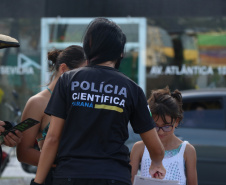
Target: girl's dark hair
x: 164, y: 103
x: 72, y: 56
x: 103, y: 41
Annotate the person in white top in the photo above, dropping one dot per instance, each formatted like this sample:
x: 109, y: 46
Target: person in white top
x: 180, y: 156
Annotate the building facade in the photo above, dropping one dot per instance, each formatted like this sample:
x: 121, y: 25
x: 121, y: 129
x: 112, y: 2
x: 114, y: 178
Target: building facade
x: 185, y: 43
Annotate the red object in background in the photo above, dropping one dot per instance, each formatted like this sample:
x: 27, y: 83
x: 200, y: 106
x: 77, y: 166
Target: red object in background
x: 4, y: 156
x: 4, y: 161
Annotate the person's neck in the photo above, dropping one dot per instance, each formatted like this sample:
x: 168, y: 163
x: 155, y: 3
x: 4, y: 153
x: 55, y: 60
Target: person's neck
x: 171, y: 143
x: 53, y: 83
x: 108, y: 64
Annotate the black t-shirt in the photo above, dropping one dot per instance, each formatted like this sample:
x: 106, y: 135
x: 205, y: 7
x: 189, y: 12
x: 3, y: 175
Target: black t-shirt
x: 97, y: 103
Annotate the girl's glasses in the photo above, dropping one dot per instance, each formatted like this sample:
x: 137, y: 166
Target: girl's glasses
x: 166, y: 128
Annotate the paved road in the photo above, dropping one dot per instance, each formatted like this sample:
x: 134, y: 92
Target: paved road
x: 13, y: 173
x: 16, y: 181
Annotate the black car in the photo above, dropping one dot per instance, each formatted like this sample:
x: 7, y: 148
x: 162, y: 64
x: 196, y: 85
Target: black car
x: 204, y: 126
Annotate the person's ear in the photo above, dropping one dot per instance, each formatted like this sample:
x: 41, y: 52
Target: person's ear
x: 177, y: 122
x: 63, y: 68
x: 85, y: 63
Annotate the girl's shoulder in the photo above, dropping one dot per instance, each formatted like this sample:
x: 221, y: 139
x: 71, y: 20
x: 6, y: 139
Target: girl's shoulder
x: 137, y: 150
x: 189, y: 151
x: 39, y: 99
x: 138, y: 146
x: 36, y: 103
x: 189, y: 147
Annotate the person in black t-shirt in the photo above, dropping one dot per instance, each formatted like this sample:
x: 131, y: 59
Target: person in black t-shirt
x: 90, y: 109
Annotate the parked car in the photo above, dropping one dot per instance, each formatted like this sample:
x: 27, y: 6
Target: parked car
x: 204, y: 126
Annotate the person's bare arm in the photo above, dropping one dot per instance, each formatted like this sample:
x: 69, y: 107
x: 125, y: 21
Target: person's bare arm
x: 156, y: 151
x: 49, y: 149
x: 190, y: 163
x: 135, y: 158
x: 25, y: 150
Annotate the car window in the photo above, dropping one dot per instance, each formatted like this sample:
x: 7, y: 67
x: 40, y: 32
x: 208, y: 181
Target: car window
x: 204, y: 113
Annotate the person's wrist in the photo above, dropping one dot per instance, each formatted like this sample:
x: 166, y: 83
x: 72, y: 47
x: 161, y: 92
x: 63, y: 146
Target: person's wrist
x: 34, y: 183
x: 157, y: 163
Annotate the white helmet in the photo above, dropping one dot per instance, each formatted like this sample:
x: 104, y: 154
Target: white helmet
x: 7, y: 41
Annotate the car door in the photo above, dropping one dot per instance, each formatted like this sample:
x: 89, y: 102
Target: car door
x: 204, y: 126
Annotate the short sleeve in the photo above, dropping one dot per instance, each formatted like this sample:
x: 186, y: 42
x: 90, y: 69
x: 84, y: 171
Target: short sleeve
x: 57, y: 102
x: 141, y: 119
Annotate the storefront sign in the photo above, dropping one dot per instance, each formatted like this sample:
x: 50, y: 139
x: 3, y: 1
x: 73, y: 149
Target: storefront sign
x: 186, y: 70
x: 25, y: 66
x: 14, y: 70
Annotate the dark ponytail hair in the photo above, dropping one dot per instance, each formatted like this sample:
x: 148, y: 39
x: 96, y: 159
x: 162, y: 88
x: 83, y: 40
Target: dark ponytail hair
x: 164, y: 103
x: 72, y: 56
x: 104, y: 41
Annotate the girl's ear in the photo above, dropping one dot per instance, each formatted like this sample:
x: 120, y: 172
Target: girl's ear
x: 63, y: 68
x: 85, y: 63
x: 177, y: 122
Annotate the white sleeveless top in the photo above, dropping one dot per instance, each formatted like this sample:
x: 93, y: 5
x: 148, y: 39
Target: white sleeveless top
x: 175, y: 168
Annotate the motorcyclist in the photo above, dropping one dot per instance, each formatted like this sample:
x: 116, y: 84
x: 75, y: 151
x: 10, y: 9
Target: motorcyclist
x: 10, y: 139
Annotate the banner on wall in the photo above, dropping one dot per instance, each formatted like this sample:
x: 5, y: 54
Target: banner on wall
x: 212, y: 48
x: 187, y: 70
x: 25, y: 66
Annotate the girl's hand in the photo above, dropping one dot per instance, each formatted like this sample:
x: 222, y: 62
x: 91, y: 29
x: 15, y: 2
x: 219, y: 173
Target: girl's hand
x: 157, y: 171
